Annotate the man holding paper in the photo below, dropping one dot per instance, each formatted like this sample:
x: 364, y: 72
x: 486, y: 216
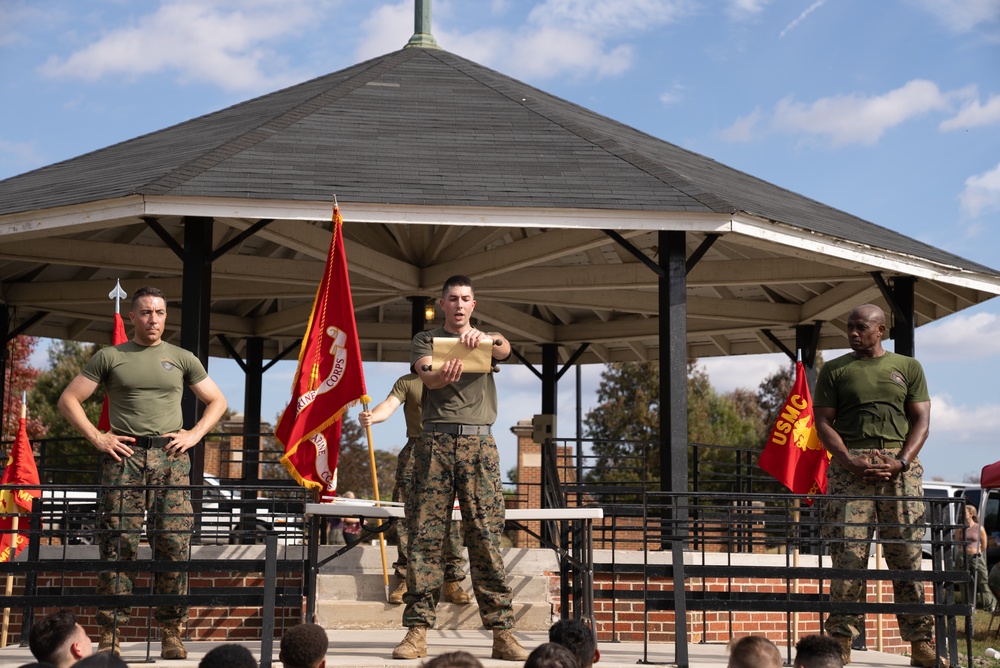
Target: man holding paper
x: 457, y: 456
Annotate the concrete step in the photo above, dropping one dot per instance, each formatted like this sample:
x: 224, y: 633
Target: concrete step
x: 351, y: 592
x: 371, y: 587
x: 375, y: 615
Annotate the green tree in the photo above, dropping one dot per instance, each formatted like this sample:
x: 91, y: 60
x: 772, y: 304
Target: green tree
x: 66, y: 360
x: 626, y: 421
x: 354, y: 464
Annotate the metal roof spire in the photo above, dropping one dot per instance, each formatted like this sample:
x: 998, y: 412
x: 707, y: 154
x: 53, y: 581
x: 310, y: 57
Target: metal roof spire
x: 422, y: 26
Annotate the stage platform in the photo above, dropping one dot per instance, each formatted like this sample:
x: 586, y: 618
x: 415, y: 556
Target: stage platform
x: 365, y: 649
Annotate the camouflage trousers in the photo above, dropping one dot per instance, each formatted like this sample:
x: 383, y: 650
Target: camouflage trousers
x: 454, y: 560
x: 127, y: 499
x: 850, y: 525
x: 446, y: 466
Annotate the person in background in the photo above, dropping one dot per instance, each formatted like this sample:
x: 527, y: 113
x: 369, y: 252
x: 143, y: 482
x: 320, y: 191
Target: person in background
x: 59, y: 639
x: 408, y: 392
x: 973, y: 544
x: 753, y: 652
x: 577, y: 637
x: 817, y: 651
x: 351, y: 526
x: 304, y: 646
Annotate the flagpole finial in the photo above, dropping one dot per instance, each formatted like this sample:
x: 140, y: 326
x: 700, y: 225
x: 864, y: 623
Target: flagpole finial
x: 118, y: 295
x: 422, y: 36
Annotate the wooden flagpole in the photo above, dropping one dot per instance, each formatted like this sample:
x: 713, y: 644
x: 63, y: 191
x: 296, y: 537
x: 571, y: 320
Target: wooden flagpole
x: 9, y: 587
x: 381, y: 534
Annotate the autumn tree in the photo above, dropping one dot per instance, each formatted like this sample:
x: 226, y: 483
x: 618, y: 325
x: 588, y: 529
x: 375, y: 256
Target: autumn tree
x: 20, y: 377
x: 68, y: 456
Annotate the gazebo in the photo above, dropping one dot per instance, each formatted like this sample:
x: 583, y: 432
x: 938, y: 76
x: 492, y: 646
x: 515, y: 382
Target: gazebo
x: 589, y: 241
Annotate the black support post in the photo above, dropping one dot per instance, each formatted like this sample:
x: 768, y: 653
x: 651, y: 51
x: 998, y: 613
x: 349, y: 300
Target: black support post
x: 196, y: 292
x: 251, y: 407
x: 673, y: 414
x: 904, y: 331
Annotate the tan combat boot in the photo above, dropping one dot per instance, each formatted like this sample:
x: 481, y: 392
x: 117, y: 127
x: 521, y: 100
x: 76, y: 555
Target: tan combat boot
x: 171, y: 646
x: 453, y: 593
x: 414, y: 645
x: 109, y: 641
x: 396, y: 597
x: 924, y: 653
x: 845, y: 648
x: 506, y: 646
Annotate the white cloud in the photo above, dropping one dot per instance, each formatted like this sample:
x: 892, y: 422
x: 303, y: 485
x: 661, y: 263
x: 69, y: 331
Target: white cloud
x: 973, y: 114
x: 961, y: 16
x: 223, y: 43
x: 742, y: 371
x: 801, y: 17
x: 387, y: 29
x: 847, y: 119
x: 856, y: 119
x: 674, y: 95
x: 743, y: 130
x: 739, y: 10
x: 954, y: 424
x: 982, y: 192
x: 22, y: 155
x: 609, y: 17
x: 960, y: 336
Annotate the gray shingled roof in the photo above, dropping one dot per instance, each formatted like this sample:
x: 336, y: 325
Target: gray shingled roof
x: 424, y: 129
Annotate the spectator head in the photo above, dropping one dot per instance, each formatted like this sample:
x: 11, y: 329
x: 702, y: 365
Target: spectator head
x: 229, y: 655
x: 304, y: 646
x: 551, y: 655
x: 577, y: 637
x: 59, y: 639
x: 754, y: 652
x: 453, y: 660
x: 818, y: 651
x: 101, y: 660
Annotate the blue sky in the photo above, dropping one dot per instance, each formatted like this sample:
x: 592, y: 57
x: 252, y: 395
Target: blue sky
x: 889, y: 110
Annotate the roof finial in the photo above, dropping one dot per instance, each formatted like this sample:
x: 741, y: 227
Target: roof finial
x: 422, y: 26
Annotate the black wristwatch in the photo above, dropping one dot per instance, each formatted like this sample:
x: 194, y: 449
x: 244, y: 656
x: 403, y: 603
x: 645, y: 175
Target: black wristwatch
x: 906, y: 464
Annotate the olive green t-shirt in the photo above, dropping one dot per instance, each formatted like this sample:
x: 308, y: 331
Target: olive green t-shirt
x: 870, y: 395
x: 409, y: 391
x: 145, y: 385
x: 470, y: 400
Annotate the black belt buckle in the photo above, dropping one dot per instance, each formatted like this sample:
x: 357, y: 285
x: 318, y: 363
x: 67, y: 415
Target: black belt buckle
x: 461, y: 429
x: 150, y: 441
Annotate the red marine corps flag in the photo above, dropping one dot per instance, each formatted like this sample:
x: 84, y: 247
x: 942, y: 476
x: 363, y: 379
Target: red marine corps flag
x: 21, y: 470
x: 793, y: 453
x: 329, y: 379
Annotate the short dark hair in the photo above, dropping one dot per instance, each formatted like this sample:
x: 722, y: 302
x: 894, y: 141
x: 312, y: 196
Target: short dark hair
x: 551, y: 655
x: 147, y: 292
x: 101, y: 660
x: 303, y: 646
x: 754, y: 652
x: 230, y: 655
x: 458, y: 280
x: 577, y: 637
x: 818, y: 651
x: 457, y: 659
x: 49, y: 634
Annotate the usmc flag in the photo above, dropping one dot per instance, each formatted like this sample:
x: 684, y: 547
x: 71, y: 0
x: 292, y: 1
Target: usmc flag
x: 329, y: 379
x: 793, y: 453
